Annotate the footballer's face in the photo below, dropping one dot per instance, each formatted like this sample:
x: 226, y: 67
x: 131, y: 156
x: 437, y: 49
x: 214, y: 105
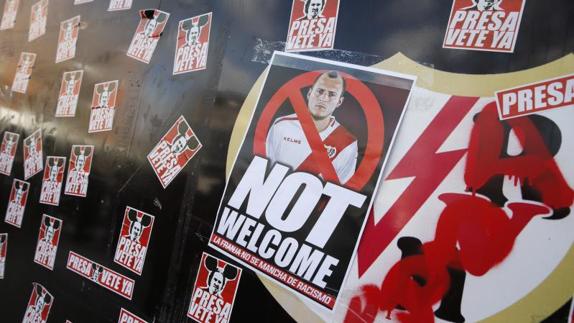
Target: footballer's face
x: 19, y: 194
x: 485, y: 4
x: 315, y: 8
x: 179, y: 145
x: 325, y: 96
x: 54, y: 173
x: 150, y: 27
x: 193, y: 35
x: 216, y: 284
x: 80, y: 161
x: 104, y: 97
x: 50, y: 231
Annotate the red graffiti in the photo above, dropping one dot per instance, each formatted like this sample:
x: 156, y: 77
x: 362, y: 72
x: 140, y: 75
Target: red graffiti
x: 535, y: 165
x: 473, y: 234
x: 484, y: 234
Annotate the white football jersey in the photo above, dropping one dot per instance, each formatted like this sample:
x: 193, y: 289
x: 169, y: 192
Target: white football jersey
x: 286, y: 143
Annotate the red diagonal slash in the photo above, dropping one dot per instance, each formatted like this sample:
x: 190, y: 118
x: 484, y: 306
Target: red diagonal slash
x: 318, y: 151
x: 368, y: 103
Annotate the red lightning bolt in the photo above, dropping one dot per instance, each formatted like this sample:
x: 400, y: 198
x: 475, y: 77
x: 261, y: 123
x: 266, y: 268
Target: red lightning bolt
x: 428, y: 168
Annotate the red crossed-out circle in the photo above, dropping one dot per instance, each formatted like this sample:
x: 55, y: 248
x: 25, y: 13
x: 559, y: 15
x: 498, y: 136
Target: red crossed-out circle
x: 367, y: 101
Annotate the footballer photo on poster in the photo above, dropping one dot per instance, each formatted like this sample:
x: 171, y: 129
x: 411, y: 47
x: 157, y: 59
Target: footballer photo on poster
x: 174, y: 150
x: 67, y: 39
x: 214, y: 291
x: 23, y: 72
x: 192, y: 44
x: 48, y: 240
x: 133, y: 242
x: 306, y: 172
x: 17, y: 203
x: 149, y: 30
x: 8, y: 151
x: 103, y: 106
x: 312, y: 26
x: 52, y: 180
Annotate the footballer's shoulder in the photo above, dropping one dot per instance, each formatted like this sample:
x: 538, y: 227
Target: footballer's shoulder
x: 291, y: 118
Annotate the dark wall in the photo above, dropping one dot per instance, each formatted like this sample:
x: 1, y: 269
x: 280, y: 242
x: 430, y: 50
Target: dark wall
x: 242, y: 37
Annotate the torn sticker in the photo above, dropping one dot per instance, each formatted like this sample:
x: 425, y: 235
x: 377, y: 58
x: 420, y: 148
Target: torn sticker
x: 149, y: 30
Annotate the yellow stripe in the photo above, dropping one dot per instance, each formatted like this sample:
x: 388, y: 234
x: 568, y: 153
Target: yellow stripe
x: 475, y: 85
